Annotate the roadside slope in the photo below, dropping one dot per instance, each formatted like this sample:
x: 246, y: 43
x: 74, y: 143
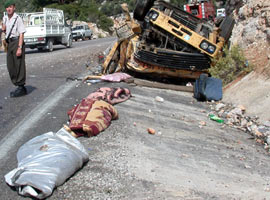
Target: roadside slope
x: 252, y: 33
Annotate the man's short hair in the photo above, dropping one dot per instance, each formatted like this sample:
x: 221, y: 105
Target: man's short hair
x: 9, y: 3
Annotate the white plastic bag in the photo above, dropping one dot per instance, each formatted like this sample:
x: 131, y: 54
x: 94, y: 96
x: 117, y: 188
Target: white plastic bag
x: 45, y: 162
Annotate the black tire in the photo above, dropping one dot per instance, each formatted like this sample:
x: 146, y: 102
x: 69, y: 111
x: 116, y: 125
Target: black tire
x: 40, y: 49
x: 141, y: 9
x: 226, y: 27
x: 50, y: 45
x: 219, y: 20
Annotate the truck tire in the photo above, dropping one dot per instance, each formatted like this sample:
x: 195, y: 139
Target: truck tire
x: 219, y: 20
x: 226, y: 27
x: 141, y: 9
x: 50, y: 45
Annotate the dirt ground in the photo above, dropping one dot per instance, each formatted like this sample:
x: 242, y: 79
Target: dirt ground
x: 253, y: 90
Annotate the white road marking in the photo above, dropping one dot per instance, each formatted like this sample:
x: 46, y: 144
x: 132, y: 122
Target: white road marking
x: 21, y: 130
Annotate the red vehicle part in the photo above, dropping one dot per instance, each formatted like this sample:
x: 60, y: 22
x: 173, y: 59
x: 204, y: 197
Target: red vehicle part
x: 203, y: 9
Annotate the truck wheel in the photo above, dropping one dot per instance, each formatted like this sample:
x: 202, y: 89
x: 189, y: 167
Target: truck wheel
x: 226, y: 27
x: 40, y: 49
x: 141, y: 9
x: 69, y: 43
x: 219, y: 20
x: 50, y: 45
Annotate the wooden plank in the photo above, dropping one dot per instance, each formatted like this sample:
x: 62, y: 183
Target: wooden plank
x: 146, y: 83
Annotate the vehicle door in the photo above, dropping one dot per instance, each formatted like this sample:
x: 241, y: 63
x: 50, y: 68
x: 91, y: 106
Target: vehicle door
x: 87, y: 31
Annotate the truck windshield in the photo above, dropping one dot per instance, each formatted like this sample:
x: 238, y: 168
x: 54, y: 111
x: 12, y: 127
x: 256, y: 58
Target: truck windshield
x: 196, y: 1
x: 77, y: 28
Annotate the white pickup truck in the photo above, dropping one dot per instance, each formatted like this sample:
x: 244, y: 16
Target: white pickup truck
x: 44, y: 29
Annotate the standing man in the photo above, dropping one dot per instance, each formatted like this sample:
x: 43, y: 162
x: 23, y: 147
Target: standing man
x: 14, y: 28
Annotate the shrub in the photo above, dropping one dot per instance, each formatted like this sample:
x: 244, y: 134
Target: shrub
x: 230, y: 65
x: 105, y: 23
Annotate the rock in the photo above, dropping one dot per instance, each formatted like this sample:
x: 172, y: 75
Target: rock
x: 267, y: 133
x: 189, y: 84
x: 260, y: 141
x: 254, y: 128
x: 219, y: 106
x: 202, y: 123
x: 241, y: 107
x: 243, y: 122
x: 262, y: 129
x: 247, y: 167
x: 267, y: 123
x: 159, y: 99
x: 151, y: 131
x: 258, y: 134
x: 235, y: 111
x: 220, y: 113
x: 268, y: 140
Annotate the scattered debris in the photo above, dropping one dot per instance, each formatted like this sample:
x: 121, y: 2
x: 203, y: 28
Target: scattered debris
x: 216, y: 118
x: 93, y: 81
x: 159, y: 99
x: 219, y: 106
x: 234, y: 116
x: 202, y: 123
x: 151, y: 131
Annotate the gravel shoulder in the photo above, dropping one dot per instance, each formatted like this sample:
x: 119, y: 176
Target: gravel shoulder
x: 183, y: 160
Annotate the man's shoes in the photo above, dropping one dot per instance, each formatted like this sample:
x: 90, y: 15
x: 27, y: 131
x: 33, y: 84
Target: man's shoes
x: 20, y: 91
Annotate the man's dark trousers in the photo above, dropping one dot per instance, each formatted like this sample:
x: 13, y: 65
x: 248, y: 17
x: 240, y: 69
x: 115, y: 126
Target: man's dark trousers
x: 16, y: 65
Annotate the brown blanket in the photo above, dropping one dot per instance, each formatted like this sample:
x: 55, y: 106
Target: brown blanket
x: 91, y: 117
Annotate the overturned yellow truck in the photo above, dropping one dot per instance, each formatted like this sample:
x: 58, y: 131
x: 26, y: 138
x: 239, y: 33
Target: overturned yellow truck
x: 166, y: 41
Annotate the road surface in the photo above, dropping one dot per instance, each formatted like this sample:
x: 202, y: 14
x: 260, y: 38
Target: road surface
x: 183, y: 160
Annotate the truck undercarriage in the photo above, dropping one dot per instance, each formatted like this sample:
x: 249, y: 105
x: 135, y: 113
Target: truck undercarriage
x: 169, y: 42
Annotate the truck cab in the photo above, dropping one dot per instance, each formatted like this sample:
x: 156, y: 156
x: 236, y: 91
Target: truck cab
x: 203, y: 9
x: 221, y: 12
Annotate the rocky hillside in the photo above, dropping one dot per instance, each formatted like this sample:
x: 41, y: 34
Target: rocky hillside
x: 252, y: 33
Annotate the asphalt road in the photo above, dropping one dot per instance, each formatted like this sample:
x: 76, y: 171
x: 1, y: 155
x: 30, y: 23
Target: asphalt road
x: 183, y: 160
x: 47, y: 73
